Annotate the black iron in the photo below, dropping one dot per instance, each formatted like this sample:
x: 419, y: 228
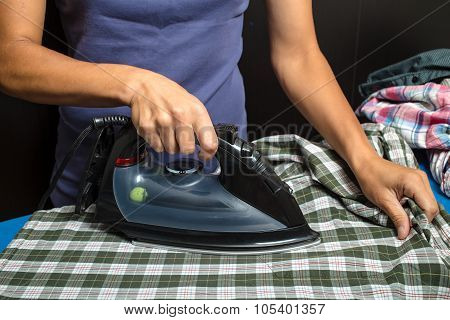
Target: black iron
x: 244, y: 173
x: 244, y: 209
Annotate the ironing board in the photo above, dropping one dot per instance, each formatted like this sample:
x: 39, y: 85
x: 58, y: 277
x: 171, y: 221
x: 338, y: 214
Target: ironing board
x: 9, y: 229
x: 61, y: 255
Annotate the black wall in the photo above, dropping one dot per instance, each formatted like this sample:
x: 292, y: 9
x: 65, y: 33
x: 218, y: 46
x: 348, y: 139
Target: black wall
x: 348, y: 31
x: 377, y: 32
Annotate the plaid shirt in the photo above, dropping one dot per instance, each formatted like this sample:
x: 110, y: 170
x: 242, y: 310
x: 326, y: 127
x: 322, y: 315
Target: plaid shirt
x: 61, y: 255
x: 421, y: 114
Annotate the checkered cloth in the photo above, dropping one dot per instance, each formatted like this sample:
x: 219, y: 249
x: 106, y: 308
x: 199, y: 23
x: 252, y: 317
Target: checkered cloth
x: 61, y: 255
x: 421, y: 114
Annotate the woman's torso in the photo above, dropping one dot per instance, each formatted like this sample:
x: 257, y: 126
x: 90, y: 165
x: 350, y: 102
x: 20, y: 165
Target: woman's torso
x: 196, y: 43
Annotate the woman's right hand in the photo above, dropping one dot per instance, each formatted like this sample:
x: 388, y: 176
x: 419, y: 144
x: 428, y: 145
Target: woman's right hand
x: 168, y: 117
x: 164, y: 113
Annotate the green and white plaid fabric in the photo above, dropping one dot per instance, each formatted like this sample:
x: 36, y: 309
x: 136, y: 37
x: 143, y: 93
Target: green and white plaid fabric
x: 61, y: 255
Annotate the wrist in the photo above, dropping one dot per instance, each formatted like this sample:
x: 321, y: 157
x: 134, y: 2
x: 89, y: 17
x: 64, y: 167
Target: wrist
x: 359, y: 160
x: 128, y: 81
x: 131, y: 84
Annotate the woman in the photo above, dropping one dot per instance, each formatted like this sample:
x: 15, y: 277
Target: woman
x: 173, y: 66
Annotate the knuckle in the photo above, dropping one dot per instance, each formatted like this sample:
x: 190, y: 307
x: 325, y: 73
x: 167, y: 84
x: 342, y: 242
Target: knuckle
x: 432, y: 209
x: 417, y: 176
x: 154, y: 144
x: 146, y: 128
x: 164, y: 120
x: 413, y: 179
x: 381, y: 199
x: 428, y: 208
x: 422, y: 174
x: 210, y: 147
x: 198, y: 107
x: 185, y: 132
x: 179, y: 112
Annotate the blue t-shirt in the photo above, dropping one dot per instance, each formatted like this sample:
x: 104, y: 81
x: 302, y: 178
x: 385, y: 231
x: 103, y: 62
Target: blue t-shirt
x: 196, y: 43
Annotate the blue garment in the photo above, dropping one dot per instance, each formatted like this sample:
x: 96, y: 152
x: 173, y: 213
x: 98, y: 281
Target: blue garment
x: 429, y: 66
x: 196, y: 43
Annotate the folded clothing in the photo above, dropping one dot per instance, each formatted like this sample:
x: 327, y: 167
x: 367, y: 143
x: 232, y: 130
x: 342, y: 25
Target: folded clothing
x: 61, y: 255
x: 421, y: 115
x: 428, y: 66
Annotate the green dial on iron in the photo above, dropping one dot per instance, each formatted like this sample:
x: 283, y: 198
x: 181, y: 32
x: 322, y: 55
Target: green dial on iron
x: 138, y: 194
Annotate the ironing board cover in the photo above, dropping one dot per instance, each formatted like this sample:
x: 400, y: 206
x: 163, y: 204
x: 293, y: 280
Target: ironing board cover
x: 60, y: 255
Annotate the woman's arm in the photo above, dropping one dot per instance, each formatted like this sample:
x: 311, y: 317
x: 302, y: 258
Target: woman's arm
x: 32, y: 72
x: 308, y: 80
x: 162, y: 111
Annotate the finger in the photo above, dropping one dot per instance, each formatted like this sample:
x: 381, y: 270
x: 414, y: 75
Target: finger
x: 154, y: 141
x: 135, y: 116
x: 206, y: 135
x: 186, y: 139
x: 416, y: 189
x: 169, y: 140
x: 426, y: 182
x: 141, y: 116
x: 398, y: 215
x: 146, y: 127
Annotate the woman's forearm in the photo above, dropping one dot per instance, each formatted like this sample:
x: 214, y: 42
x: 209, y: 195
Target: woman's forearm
x: 166, y: 115
x: 35, y: 73
x: 309, y: 82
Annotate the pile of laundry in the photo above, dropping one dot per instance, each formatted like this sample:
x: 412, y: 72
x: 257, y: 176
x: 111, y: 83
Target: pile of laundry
x: 413, y: 97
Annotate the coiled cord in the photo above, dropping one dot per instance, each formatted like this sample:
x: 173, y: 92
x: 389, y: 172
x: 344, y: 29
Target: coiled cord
x: 115, y: 120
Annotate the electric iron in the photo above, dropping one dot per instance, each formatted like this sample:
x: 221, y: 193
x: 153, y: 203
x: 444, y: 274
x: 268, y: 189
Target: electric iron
x: 242, y: 207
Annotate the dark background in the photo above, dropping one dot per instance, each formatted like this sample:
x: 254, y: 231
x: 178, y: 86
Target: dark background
x: 374, y: 32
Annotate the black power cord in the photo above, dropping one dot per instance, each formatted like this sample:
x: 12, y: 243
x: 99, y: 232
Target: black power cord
x: 97, y: 124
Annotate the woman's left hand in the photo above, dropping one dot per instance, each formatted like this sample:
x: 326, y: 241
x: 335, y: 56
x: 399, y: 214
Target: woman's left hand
x: 385, y: 183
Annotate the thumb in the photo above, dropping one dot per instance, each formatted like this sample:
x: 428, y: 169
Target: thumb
x: 206, y: 136
x: 398, y: 215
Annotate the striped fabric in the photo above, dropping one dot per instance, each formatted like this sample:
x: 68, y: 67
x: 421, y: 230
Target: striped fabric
x: 421, y: 114
x: 61, y: 255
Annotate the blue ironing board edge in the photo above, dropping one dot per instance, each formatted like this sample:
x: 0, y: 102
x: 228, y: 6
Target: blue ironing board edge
x: 424, y: 164
x: 438, y: 194
x: 9, y: 229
